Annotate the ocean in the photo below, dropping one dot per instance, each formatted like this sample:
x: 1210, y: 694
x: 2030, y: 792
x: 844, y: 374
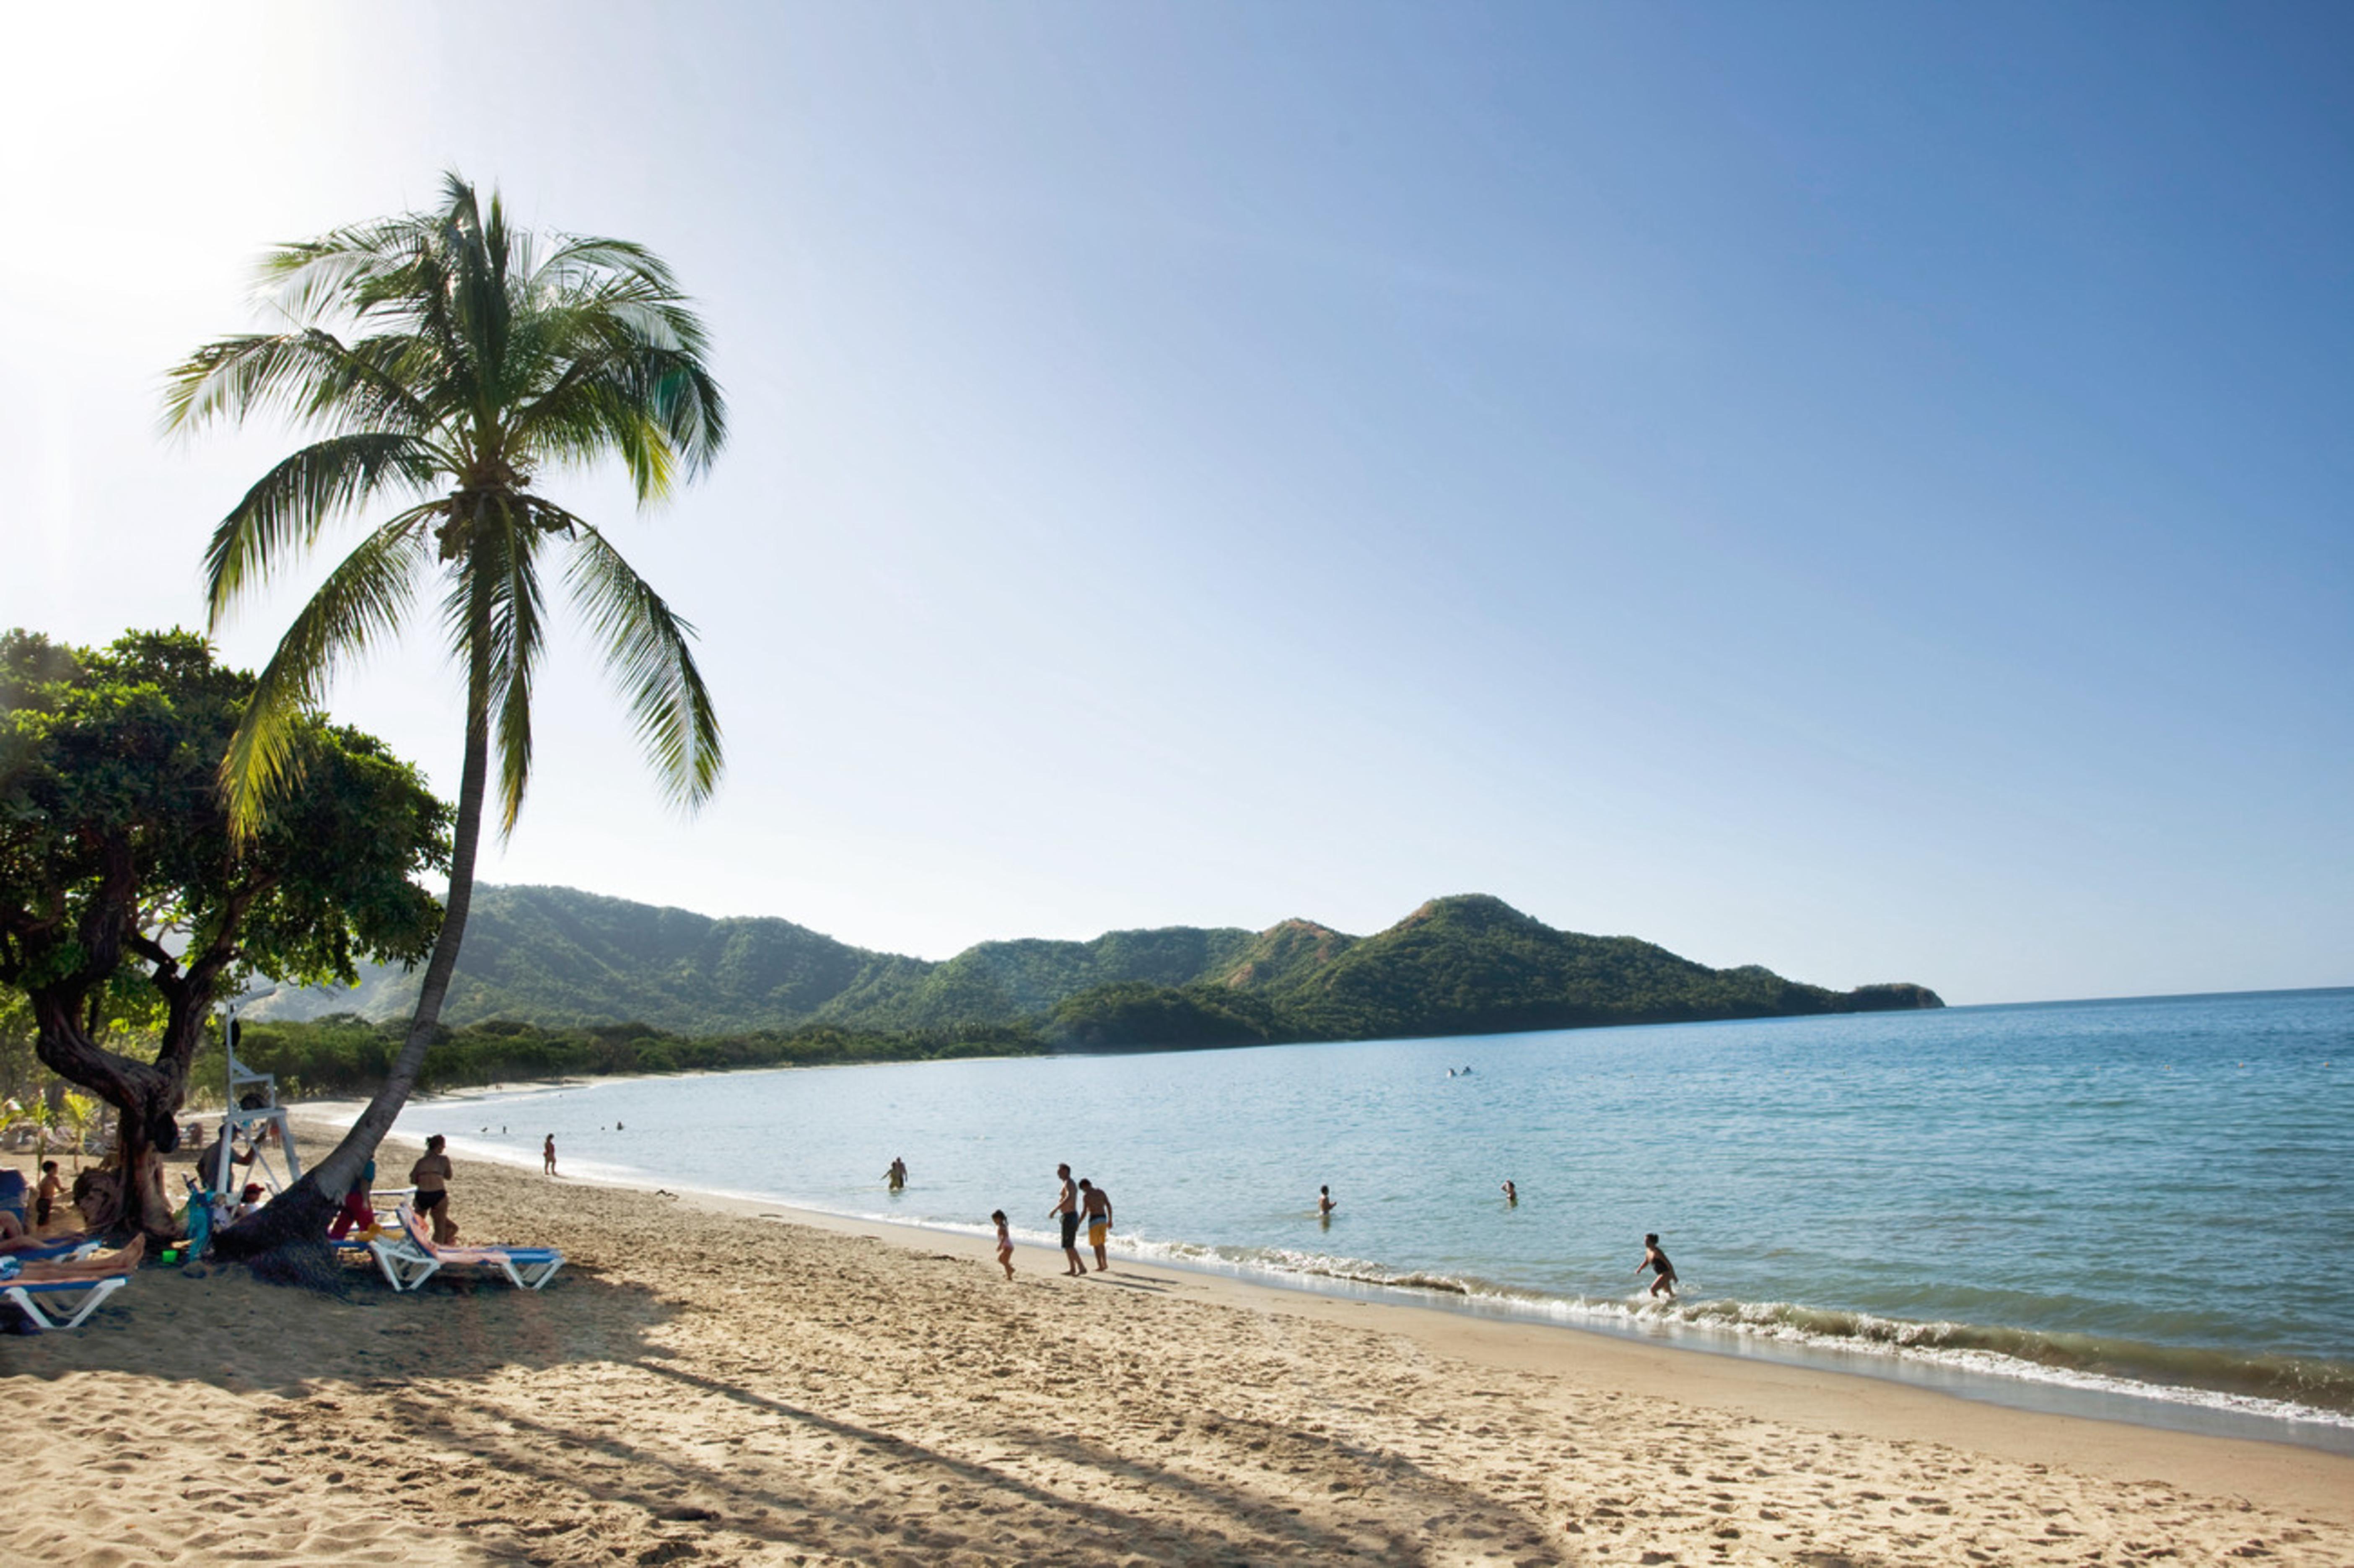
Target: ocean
x: 2138, y: 1209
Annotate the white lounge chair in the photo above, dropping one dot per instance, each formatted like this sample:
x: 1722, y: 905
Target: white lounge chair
x: 64, y: 1295
x: 412, y: 1258
x: 406, y: 1265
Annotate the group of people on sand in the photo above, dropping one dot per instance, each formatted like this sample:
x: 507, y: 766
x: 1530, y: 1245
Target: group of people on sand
x: 430, y: 1176
x: 1076, y: 1202
x: 14, y: 1234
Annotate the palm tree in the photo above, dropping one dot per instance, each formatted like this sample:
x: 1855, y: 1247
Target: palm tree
x: 446, y: 362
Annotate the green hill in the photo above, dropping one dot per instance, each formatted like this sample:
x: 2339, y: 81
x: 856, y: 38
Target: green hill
x: 1468, y: 965
x: 559, y: 957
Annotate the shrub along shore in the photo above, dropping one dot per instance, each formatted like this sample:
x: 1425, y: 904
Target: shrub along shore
x: 344, y: 1054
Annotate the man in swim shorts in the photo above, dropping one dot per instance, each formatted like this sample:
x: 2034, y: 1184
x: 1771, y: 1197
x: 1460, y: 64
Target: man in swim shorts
x: 1066, y: 1209
x: 1097, y: 1204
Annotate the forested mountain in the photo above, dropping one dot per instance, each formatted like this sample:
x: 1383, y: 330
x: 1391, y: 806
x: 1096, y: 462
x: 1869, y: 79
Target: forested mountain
x: 558, y: 957
x: 1469, y: 965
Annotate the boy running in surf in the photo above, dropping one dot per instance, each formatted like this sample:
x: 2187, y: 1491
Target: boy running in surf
x: 1653, y: 1259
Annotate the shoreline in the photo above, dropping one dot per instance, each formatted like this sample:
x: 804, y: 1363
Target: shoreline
x: 1758, y: 1386
x: 2017, y: 1385
x: 726, y: 1380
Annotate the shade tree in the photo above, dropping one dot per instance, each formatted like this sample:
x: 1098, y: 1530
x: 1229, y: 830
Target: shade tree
x: 126, y: 893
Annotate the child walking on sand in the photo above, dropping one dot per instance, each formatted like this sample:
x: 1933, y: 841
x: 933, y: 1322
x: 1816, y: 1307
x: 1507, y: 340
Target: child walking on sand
x: 1004, y: 1243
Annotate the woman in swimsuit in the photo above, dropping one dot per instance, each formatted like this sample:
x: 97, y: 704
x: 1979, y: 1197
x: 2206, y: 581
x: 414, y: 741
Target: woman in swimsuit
x: 430, y: 1177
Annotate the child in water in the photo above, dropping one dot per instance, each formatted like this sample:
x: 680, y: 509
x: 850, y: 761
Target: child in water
x: 1004, y: 1243
x: 1653, y: 1259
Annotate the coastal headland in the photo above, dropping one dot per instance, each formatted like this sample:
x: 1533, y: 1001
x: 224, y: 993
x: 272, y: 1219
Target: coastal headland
x: 727, y: 1383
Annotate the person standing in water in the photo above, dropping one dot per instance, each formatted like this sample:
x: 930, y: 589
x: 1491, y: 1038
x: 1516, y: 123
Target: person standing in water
x: 1324, y: 1205
x: 898, y: 1175
x: 1066, y: 1209
x: 1664, y: 1278
x: 1511, y: 1196
x: 1097, y: 1204
x: 547, y: 1155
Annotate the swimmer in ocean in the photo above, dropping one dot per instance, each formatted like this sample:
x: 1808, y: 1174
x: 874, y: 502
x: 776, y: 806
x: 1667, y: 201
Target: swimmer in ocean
x: 1653, y: 1259
x: 1511, y: 1195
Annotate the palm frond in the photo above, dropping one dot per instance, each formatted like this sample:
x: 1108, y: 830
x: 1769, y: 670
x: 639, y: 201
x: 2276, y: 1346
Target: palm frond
x: 311, y: 282
x: 451, y: 344
x: 508, y: 562
x: 308, y: 374
x: 580, y: 257
x: 647, y: 653
x: 633, y: 384
x: 361, y: 602
x: 286, y: 509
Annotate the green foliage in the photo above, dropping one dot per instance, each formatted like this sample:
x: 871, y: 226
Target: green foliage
x: 128, y: 905
x: 445, y: 364
x: 342, y: 1053
x: 1135, y: 1016
x: 445, y: 361
x: 22, y: 1076
x: 1468, y: 965
x: 108, y: 762
x: 562, y: 958
x: 559, y: 955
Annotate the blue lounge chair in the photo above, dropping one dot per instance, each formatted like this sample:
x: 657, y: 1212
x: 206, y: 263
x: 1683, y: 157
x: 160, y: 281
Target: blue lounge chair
x: 64, y: 1295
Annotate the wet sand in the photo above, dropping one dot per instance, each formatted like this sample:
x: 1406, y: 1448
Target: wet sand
x: 711, y: 1381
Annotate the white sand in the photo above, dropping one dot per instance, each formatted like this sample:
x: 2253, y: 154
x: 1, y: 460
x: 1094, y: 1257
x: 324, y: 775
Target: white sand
x: 706, y: 1384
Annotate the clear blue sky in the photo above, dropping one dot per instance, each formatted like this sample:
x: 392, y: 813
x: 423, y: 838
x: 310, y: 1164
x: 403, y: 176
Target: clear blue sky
x: 1862, y: 490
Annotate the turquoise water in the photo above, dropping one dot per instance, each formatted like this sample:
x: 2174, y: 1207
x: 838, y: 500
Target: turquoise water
x: 2149, y: 1201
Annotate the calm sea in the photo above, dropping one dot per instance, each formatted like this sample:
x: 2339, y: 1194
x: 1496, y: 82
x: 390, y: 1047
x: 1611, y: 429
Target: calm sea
x: 2137, y: 1208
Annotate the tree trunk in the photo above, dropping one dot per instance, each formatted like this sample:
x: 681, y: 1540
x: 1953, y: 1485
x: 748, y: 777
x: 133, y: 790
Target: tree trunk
x: 146, y: 1097
x: 304, y: 1211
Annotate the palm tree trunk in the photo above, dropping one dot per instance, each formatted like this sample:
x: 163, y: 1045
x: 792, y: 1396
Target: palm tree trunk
x: 302, y: 1211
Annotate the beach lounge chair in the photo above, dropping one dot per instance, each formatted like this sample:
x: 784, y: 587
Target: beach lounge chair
x: 412, y: 1258
x: 62, y: 1295
x: 57, y: 1249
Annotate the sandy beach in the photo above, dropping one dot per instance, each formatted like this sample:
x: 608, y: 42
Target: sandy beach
x: 709, y: 1381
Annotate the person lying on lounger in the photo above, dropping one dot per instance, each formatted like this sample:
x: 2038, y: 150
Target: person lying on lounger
x: 14, y: 1237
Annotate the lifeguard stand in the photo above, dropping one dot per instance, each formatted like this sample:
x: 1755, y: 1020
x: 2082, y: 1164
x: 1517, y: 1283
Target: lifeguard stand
x: 253, y: 1110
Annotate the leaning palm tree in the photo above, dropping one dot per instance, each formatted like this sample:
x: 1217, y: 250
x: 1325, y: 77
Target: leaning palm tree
x: 446, y: 363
